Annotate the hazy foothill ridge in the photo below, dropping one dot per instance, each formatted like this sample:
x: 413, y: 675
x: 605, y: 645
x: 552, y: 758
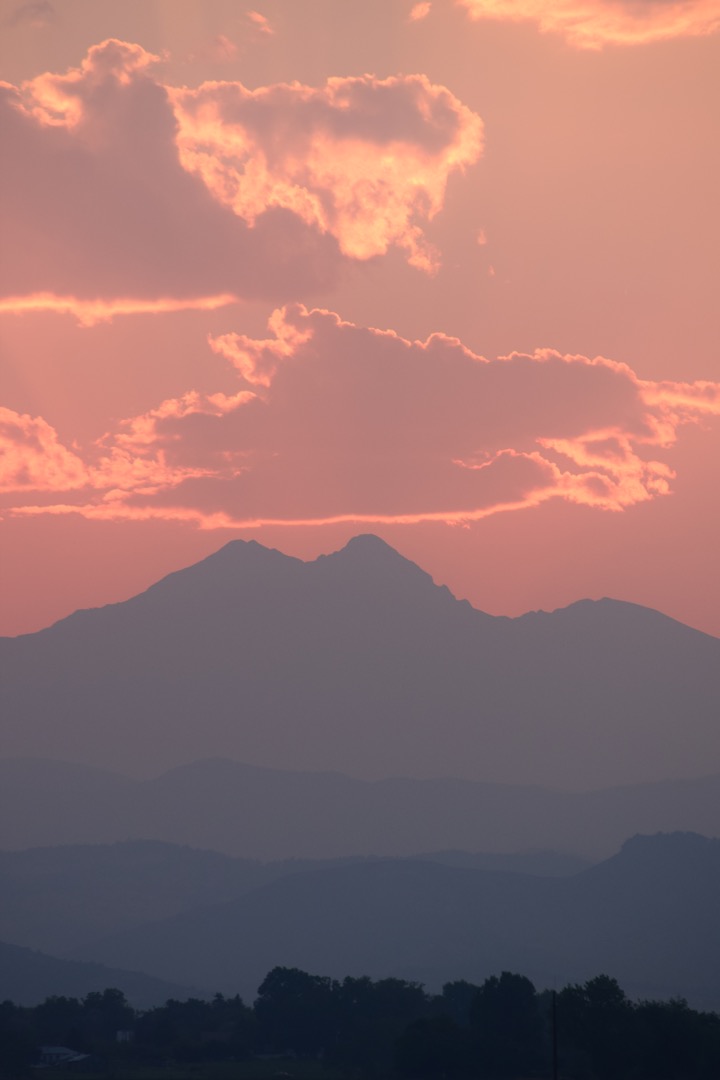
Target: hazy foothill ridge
x: 357, y: 662
x: 57, y: 899
x: 251, y: 812
x: 649, y: 914
x: 199, y: 919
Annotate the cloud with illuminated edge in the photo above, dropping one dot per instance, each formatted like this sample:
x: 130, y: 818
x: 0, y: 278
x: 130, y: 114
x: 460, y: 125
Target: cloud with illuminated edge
x: 211, y: 194
x: 335, y: 423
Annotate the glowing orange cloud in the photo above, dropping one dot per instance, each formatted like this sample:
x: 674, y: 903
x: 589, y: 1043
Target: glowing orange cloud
x: 420, y: 11
x: 32, y: 457
x: 590, y: 24
x: 257, y: 361
x: 60, y: 99
x: 91, y: 312
x: 294, y: 181
x: 335, y: 423
x: 118, y: 510
x: 260, y: 22
x: 364, y: 159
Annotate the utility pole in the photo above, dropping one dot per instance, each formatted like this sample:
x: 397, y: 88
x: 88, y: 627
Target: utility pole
x: 554, y: 1037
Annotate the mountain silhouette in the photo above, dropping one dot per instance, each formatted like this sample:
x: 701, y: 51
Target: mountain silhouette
x: 357, y: 662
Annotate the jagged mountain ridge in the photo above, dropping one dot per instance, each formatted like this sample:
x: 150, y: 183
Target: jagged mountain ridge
x: 358, y: 662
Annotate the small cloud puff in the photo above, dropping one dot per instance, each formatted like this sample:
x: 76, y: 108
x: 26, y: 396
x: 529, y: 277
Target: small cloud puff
x: 260, y: 22
x: 590, y: 24
x: 221, y: 50
x: 420, y: 11
x: 337, y: 423
x: 35, y: 13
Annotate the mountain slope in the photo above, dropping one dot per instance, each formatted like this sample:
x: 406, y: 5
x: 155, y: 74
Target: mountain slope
x: 28, y: 977
x: 357, y: 662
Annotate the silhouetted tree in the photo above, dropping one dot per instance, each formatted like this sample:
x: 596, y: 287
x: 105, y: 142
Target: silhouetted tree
x: 105, y: 1013
x: 295, y: 1011
x: 596, y: 1028
x: 371, y: 1016
x: 367, y: 1028
x: 672, y: 1042
x: 456, y: 1000
x: 19, y: 1044
x: 506, y: 1026
x: 197, y: 1030
x: 60, y: 1021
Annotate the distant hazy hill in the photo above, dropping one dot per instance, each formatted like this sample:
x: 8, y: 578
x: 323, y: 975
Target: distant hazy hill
x: 55, y: 898
x: 242, y: 810
x: 28, y: 977
x: 60, y: 898
x: 648, y: 916
x: 357, y: 662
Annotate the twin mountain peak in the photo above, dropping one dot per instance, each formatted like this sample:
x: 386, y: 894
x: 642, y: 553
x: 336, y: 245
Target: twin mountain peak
x: 357, y: 662
x: 366, y: 565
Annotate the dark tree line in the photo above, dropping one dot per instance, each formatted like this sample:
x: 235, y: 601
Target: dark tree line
x: 501, y: 1030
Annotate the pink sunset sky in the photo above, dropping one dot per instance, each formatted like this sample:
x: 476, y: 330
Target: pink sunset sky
x: 447, y: 272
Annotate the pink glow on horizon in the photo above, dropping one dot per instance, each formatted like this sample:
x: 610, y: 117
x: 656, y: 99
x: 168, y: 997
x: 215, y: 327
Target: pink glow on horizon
x: 539, y: 175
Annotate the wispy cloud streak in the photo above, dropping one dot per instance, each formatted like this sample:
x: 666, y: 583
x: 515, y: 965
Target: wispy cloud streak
x: 590, y: 24
x: 91, y: 312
